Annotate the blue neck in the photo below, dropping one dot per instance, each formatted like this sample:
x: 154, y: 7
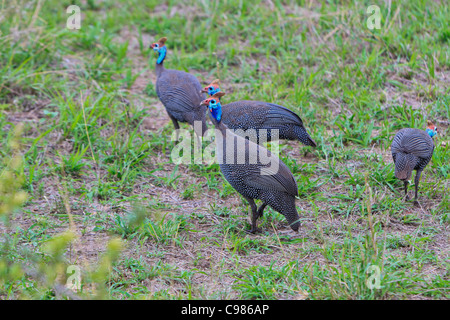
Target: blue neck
x: 162, y: 54
x: 217, y: 112
x: 431, y: 133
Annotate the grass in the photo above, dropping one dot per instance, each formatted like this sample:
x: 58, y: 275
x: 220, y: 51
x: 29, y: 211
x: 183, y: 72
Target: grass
x: 92, y: 163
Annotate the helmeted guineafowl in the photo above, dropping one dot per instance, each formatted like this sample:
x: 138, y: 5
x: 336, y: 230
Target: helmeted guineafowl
x: 179, y: 92
x: 253, y: 171
x: 259, y: 115
x: 412, y: 149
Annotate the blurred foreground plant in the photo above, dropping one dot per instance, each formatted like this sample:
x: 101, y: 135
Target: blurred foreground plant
x: 11, y: 198
x: 43, y: 274
x: 12, y: 178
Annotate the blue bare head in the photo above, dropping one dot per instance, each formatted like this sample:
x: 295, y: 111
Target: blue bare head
x: 212, y: 88
x: 214, y: 106
x: 431, y: 129
x: 160, y: 47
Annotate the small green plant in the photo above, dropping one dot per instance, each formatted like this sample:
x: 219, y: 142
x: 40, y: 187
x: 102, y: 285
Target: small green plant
x: 189, y: 192
x: 270, y: 282
x: 164, y: 228
x: 73, y: 164
x: 440, y: 158
x: 169, y: 180
x: 360, y: 133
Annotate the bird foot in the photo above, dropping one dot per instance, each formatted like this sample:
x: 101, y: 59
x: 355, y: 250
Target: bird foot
x: 253, y: 230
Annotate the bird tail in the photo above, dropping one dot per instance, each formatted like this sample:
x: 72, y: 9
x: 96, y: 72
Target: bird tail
x: 404, y: 165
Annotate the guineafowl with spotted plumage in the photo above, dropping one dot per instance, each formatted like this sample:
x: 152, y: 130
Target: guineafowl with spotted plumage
x: 412, y: 149
x: 253, y: 171
x: 179, y: 92
x: 259, y: 115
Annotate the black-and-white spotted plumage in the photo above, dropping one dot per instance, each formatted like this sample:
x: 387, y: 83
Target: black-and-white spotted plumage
x: 411, y: 149
x: 255, y: 177
x: 180, y: 93
x: 263, y: 115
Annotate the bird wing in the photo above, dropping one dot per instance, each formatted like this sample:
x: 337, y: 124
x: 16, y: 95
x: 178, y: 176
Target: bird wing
x: 416, y: 142
x: 278, y: 114
x: 274, y: 177
x: 179, y: 91
x: 255, y: 114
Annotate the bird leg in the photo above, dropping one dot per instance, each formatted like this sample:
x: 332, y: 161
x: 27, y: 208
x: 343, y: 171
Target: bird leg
x: 254, y: 215
x: 260, y: 210
x: 199, y: 132
x: 416, y: 185
x: 406, y: 189
x: 199, y: 142
x: 176, y: 125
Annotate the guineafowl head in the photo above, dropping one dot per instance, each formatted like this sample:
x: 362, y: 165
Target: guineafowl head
x: 431, y: 129
x: 160, y: 48
x: 212, y: 88
x: 214, y: 105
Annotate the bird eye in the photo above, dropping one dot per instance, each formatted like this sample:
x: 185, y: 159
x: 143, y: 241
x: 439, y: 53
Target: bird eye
x: 213, y: 101
x: 156, y: 45
x: 211, y: 88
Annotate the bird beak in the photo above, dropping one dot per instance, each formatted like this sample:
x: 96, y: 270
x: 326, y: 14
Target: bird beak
x: 204, y: 90
x: 204, y: 103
